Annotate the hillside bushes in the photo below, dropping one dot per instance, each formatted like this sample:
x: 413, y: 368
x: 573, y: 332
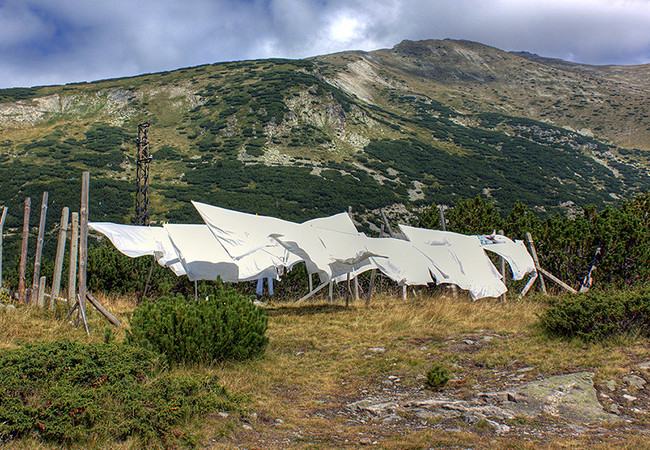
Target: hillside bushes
x: 226, y: 325
x: 598, y: 316
x: 67, y: 392
x: 566, y: 245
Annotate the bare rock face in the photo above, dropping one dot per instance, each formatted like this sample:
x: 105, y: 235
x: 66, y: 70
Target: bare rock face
x: 570, y: 397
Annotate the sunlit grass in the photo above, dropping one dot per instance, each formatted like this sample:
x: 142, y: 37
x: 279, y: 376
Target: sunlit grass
x: 324, y: 355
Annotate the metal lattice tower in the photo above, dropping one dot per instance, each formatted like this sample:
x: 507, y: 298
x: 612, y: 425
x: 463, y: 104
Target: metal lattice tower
x: 142, y: 176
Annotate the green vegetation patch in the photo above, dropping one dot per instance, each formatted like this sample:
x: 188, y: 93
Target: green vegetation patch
x: 68, y: 392
x: 226, y: 325
x: 599, y: 316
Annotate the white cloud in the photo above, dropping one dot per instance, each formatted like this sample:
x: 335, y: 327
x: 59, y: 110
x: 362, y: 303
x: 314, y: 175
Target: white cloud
x: 45, y: 42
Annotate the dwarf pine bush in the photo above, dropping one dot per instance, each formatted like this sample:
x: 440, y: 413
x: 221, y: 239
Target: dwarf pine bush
x: 226, y: 325
x: 598, y: 316
x: 73, y: 393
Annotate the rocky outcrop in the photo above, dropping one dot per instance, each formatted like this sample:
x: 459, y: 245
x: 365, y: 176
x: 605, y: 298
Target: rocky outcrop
x: 570, y: 398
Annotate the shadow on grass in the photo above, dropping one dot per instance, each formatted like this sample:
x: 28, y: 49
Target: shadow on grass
x: 305, y: 310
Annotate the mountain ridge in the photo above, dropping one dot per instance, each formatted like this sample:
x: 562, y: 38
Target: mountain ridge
x: 424, y: 122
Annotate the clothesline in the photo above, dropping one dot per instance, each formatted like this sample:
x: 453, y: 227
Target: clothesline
x: 237, y: 247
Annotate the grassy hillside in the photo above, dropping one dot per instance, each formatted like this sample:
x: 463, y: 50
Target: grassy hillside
x: 425, y: 122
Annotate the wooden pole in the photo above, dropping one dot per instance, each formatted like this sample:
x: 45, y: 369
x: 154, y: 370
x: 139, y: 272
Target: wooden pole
x: 111, y: 318
x: 503, y: 271
x: 23, y: 252
x: 533, y: 253
x: 60, y: 253
x: 39, y: 247
x: 311, y: 283
x: 2, y: 224
x: 348, y: 293
x: 557, y: 281
x: 443, y: 227
x: 356, y: 288
x: 526, y: 288
x: 41, y: 293
x: 385, y: 219
x: 404, y: 293
x: 74, y: 251
x: 83, y: 246
x: 441, y: 213
x: 321, y: 286
x: 331, y: 292
x: 373, y: 273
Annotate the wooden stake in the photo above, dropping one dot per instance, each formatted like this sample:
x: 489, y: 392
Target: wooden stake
x: 331, y: 292
x: 443, y: 227
x: 23, y: 252
x: 39, y: 247
x: 503, y: 271
x: 110, y: 317
x: 60, y: 253
x: 404, y: 293
x: 530, y: 283
x: 146, y: 285
x: 83, y: 245
x: 2, y: 224
x: 373, y: 273
x: 356, y: 288
x: 41, y: 293
x: 321, y: 286
x: 311, y: 283
x: 74, y: 251
x: 385, y: 219
x: 533, y: 253
x: 348, y: 293
x: 441, y: 213
x: 557, y: 281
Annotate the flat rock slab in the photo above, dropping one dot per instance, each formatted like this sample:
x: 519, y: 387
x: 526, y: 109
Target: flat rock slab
x: 570, y: 397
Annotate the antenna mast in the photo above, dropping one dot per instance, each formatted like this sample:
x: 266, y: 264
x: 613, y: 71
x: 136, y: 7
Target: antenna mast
x: 142, y: 176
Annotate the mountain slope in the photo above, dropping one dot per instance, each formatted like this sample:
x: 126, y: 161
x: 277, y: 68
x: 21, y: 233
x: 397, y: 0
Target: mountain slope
x: 424, y: 122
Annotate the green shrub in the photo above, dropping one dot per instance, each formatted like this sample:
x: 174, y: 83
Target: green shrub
x: 437, y: 377
x: 226, y: 325
x: 598, y: 316
x: 70, y: 392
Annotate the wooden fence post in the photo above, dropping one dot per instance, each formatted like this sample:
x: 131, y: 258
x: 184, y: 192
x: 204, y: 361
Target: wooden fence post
x: 60, y: 252
x: 533, y: 253
x: 41, y: 293
x: 74, y: 251
x: 83, y: 246
x: 443, y: 227
x: 39, y: 247
x: 23, y: 252
x: 2, y: 224
x: 503, y: 271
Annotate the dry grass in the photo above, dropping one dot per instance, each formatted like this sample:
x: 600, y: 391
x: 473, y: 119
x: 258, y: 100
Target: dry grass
x: 323, y: 356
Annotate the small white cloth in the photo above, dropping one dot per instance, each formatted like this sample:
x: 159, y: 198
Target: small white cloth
x: 514, y: 252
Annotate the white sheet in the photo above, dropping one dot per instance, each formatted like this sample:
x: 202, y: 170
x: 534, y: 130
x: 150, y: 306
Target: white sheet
x: 330, y: 246
x: 240, y: 233
x: 460, y: 259
x: 136, y: 240
x: 514, y: 252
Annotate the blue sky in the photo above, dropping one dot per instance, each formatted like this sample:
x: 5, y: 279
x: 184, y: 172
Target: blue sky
x: 62, y: 41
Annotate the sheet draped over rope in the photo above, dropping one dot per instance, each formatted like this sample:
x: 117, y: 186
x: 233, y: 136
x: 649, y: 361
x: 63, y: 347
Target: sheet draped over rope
x: 237, y: 246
